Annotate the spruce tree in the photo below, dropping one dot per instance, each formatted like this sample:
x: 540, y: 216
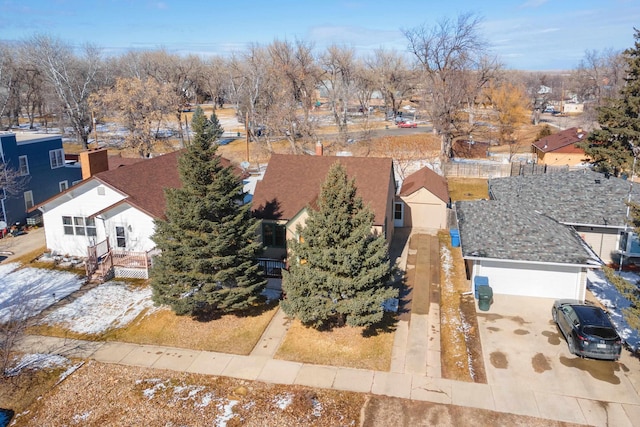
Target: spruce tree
x: 611, y: 147
x: 339, y: 270
x: 208, y: 241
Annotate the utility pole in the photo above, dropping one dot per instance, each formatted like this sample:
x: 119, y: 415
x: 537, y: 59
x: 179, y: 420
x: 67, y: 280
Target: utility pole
x: 246, y: 131
x: 95, y: 131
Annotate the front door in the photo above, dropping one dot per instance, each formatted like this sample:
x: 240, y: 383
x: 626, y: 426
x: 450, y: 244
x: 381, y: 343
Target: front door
x: 398, y: 214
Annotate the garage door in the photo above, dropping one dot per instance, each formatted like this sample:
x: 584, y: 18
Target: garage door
x: 532, y: 279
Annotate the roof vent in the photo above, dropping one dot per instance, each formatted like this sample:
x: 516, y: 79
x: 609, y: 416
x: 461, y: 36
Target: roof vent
x: 597, y: 181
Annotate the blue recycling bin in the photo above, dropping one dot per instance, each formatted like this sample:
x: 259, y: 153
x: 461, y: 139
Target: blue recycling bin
x: 479, y: 281
x: 455, y: 237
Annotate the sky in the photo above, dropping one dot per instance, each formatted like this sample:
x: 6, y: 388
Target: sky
x: 535, y: 35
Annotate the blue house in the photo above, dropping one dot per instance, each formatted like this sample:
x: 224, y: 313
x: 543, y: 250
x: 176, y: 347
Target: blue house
x: 41, y: 159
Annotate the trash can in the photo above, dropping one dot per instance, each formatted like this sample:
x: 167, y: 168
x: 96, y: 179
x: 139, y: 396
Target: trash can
x: 485, y: 297
x: 455, y: 237
x: 479, y: 281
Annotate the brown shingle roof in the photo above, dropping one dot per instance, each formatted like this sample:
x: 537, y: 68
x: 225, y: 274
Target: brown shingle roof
x: 291, y: 182
x: 144, y: 182
x: 116, y: 161
x: 560, y: 140
x: 428, y: 179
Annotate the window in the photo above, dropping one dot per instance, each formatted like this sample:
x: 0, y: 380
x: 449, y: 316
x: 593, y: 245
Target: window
x: 23, y: 165
x: 28, y: 199
x: 79, y: 226
x: 63, y: 185
x: 121, y: 240
x: 56, y: 158
x: 397, y: 211
x: 273, y: 235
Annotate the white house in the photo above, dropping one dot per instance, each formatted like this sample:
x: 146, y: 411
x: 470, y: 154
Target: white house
x: 110, y: 214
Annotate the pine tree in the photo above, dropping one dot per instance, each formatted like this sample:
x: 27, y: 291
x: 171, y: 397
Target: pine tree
x: 209, y: 250
x: 611, y: 147
x: 339, y: 270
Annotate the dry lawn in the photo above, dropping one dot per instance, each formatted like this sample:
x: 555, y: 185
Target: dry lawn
x: 461, y: 350
x: 345, y: 346
x: 110, y: 395
x: 227, y: 334
x: 468, y: 189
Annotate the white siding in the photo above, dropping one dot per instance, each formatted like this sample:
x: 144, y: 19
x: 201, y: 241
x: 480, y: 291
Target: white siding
x: 536, y: 280
x: 86, y: 200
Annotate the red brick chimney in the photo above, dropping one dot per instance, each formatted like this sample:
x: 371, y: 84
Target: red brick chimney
x: 319, y: 149
x: 93, y: 162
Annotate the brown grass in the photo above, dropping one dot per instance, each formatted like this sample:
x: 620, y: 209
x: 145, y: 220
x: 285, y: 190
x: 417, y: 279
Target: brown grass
x: 19, y: 392
x: 111, y: 395
x: 453, y: 347
x: 29, y: 257
x: 227, y: 334
x: 345, y: 346
x: 468, y: 189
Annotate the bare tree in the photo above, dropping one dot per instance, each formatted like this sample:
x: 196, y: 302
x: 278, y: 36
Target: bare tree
x: 142, y: 106
x: 511, y: 105
x: 338, y: 78
x: 295, y: 75
x: 8, y: 80
x: 73, y: 78
x: 392, y: 78
x: 12, y: 182
x: 451, y: 56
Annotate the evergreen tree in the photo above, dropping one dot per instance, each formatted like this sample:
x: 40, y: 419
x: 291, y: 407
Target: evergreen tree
x: 209, y: 251
x: 611, y: 147
x: 339, y: 270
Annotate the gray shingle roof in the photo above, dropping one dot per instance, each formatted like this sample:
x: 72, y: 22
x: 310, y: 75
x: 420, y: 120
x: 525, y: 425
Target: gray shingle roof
x: 577, y: 197
x: 511, y: 231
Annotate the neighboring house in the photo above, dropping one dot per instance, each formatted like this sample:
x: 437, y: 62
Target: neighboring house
x: 560, y: 148
x: 292, y: 183
x: 111, y: 212
x: 540, y: 233
x: 423, y: 201
x: 522, y: 252
x: 41, y: 160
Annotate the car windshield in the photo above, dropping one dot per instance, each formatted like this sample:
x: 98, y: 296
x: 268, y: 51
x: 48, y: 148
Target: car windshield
x: 601, y: 332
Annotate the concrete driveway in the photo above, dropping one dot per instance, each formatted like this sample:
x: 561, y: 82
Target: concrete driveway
x: 523, y: 349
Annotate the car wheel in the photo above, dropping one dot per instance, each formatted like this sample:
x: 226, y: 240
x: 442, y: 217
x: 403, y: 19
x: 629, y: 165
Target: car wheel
x: 571, y: 345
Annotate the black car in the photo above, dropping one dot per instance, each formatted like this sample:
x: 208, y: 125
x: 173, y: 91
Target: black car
x: 588, y: 329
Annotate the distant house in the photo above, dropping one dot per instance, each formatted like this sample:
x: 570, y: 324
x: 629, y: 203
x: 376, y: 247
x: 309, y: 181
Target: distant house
x: 560, y: 148
x: 292, y: 183
x: 111, y: 213
x: 41, y: 159
x: 423, y: 201
x: 539, y: 234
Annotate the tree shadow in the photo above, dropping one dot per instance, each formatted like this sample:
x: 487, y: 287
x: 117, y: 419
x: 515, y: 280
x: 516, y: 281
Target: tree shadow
x: 210, y: 314
x: 270, y: 210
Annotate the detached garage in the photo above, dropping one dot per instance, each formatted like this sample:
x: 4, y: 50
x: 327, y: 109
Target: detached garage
x: 522, y: 252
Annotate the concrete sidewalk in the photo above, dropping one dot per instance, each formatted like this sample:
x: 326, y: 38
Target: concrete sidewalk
x: 522, y: 400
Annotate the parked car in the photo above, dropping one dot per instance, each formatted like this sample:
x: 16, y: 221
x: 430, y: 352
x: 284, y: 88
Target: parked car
x: 587, y: 329
x: 407, y: 124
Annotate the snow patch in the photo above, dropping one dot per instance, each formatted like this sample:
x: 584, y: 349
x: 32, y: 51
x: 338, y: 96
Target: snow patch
x: 608, y: 295
x: 283, y: 401
x: 36, y: 361
x: 111, y: 305
x: 227, y: 413
x: 25, y: 292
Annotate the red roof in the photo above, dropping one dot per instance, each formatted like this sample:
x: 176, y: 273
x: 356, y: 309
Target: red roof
x: 560, y: 140
x: 291, y: 182
x: 144, y: 181
x: 428, y: 179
